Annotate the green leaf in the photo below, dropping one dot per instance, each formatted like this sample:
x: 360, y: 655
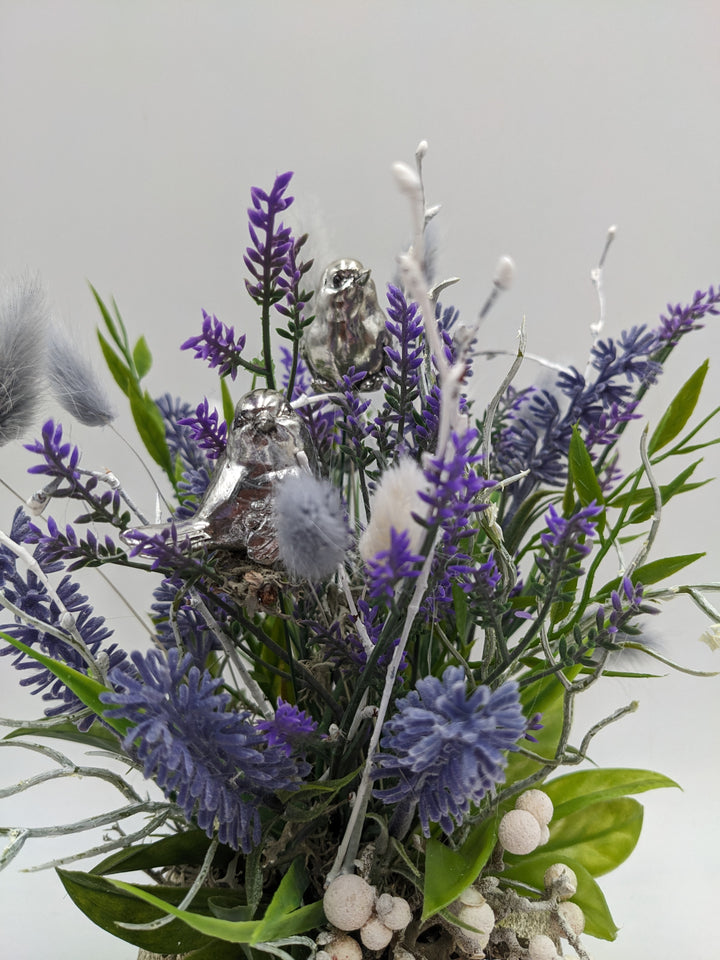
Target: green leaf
x: 589, y: 897
x: 679, y: 411
x: 109, y: 322
x: 583, y: 474
x: 600, y: 836
x: 232, y: 932
x: 142, y: 358
x: 283, y: 917
x: 98, y: 736
x: 106, y: 904
x: 544, y: 696
x: 150, y: 426
x: 449, y: 872
x: 187, y: 848
x: 227, y: 403
x: 652, y: 572
x: 573, y: 791
x: 119, y: 370
x: 85, y: 688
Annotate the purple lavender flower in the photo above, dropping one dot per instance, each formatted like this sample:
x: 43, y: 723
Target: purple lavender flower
x: 625, y: 605
x: 289, y: 729
x: 320, y: 419
x: 405, y: 357
x: 446, y: 746
x: 206, y: 429
x: 181, y: 431
x: 29, y: 593
x: 683, y: 319
x: 178, y: 623
x: 565, y: 536
x: 61, y: 465
x: 454, y: 487
x: 266, y: 259
x: 210, y: 760
x: 217, y: 345
x: 538, y: 427
x: 73, y: 551
x: 388, y: 567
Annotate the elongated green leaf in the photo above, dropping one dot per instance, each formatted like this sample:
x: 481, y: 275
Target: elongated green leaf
x: 589, y: 897
x: 142, y: 358
x: 227, y: 403
x: 118, y: 369
x: 599, y: 836
x: 449, y: 872
x: 98, y: 737
x: 652, y: 572
x: 583, y: 472
x: 109, y: 322
x: 249, y: 932
x: 288, y: 895
x: 573, y: 791
x: 187, y: 848
x: 106, y: 904
x: 151, y: 428
x: 232, y: 932
x: 85, y: 688
x: 680, y: 410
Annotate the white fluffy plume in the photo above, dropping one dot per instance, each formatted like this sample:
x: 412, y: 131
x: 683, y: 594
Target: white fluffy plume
x: 23, y: 325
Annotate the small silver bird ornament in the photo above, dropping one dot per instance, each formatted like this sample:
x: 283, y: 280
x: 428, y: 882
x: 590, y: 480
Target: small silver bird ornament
x: 348, y: 329
x: 267, y: 442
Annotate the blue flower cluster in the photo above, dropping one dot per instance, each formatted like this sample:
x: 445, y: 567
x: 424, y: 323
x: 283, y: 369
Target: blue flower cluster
x: 211, y: 760
x: 446, y: 746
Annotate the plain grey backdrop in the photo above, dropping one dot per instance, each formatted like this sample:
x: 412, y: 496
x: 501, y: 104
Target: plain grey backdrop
x: 130, y: 134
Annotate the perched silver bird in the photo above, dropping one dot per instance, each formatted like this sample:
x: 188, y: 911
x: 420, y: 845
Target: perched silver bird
x: 348, y: 329
x: 267, y: 442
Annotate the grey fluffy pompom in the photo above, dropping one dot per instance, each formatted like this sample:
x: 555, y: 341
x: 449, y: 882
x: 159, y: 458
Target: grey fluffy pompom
x: 312, y: 533
x: 23, y: 323
x: 75, y: 384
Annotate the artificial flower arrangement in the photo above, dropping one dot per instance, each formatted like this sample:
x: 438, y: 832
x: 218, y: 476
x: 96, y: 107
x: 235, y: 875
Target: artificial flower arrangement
x: 374, y: 608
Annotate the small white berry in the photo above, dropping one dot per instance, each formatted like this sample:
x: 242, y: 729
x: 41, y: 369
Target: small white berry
x: 541, y: 948
x: 482, y: 918
x: 396, y: 914
x: 538, y: 804
x: 375, y: 935
x: 573, y: 917
x: 348, y: 902
x: 343, y: 948
x: 519, y: 832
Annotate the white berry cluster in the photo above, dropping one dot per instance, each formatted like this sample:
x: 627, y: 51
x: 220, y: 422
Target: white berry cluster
x: 526, y: 827
x: 350, y: 903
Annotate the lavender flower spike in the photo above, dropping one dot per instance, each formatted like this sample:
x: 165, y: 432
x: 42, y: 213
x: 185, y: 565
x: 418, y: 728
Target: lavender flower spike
x: 446, y: 746
x: 23, y: 322
x: 212, y: 761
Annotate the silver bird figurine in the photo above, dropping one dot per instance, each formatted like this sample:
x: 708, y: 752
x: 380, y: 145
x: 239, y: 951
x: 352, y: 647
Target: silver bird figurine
x: 267, y: 442
x: 348, y: 329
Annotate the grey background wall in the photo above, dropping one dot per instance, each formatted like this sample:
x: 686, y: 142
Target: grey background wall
x: 130, y: 134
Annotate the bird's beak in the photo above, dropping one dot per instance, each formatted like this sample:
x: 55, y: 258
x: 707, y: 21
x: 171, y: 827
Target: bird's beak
x: 362, y: 278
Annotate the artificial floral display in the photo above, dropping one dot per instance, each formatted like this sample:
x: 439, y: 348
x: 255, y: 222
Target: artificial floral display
x: 374, y: 607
